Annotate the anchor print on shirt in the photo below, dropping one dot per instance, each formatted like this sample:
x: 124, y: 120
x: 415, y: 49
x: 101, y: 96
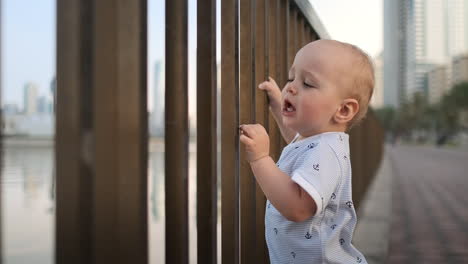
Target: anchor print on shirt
x: 349, y: 204
x: 333, y: 226
x: 308, y: 235
x: 341, y: 241
x: 276, y: 230
x: 316, y: 167
x: 312, y: 145
x: 293, y: 254
x: 359, y: 260
x: 333, y: 196
x: 341, y: 137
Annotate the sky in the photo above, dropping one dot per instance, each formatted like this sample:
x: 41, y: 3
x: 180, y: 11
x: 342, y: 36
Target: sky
x: 359, y: 22
x: 28, y: 39
x: 28, y: 47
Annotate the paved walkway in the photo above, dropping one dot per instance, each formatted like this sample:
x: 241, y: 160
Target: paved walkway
x: 429, y: 212
x: 374, y: 217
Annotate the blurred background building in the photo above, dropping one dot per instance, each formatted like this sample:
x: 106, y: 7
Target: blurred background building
x: 421, y: 39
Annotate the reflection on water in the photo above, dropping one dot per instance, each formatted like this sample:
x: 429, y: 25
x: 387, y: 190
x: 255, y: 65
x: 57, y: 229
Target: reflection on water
x: 28, y: 209
x: 27, y: 205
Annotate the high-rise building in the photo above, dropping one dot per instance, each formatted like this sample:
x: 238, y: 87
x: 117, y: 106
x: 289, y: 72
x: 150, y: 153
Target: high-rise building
x: 394, y: 54
x: 459, y: 69
x: 377, y: 96
x: 419, y: 35
x: 43, y: 105
x: 30, y: 98
x: 437, y: 83
x: 157, y: 116
x: 53, y: 90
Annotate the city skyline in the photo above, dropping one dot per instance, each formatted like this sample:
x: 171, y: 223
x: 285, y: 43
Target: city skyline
x: 27, y: 21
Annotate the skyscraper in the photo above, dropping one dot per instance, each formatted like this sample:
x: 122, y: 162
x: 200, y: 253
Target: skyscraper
x: 53, y: 90
x: 377, y: 96
x: 43, y: 105
x: 30, y: 98
x: 157, y: 117
x: 420, y: 35
x: 394, y: 54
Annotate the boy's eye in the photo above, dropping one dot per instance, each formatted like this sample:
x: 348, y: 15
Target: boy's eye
x: 290, y: 80
x: 308, y: 85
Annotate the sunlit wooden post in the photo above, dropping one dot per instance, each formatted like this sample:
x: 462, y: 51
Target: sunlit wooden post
x: 73, y: 133
x: 176, y: 133
x: 1, y: 122
x: 101, y: 132
x: 206, y: 132
x: 260, y: 34
x: 229, y: 131
x: 271, y: 67
x: 246, y: 116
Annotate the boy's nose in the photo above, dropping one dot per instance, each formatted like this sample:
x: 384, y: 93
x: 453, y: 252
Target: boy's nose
x: 291, y: 88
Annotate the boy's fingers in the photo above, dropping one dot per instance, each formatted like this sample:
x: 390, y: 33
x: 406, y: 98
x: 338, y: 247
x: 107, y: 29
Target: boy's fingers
x: 244, y: 139
x: 258, y: 127
x: 247, y: 130
x: 263, y: 86
x: 273, y: 81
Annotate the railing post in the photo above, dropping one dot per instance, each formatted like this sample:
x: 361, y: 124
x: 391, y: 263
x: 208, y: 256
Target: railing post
x: 261, y: 116
x: 246, y: 116
x: 101, y: 132
x: 206, y: 133
x: 73, y: 127
x: 271, y: 65
x: 230, y: 131
x: 176, y: 133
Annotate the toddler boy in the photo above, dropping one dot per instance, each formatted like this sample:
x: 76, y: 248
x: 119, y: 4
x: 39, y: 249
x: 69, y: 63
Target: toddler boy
x: 310, y: 216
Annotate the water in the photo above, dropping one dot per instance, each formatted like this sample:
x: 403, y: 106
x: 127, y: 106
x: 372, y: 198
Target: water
x: 28, y: 204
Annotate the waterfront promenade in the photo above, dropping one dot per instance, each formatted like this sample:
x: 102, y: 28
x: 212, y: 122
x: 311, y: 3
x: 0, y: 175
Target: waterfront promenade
x: 425, y: 220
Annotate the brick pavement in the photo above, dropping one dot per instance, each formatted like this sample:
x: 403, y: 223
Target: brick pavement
x: 429, y: 217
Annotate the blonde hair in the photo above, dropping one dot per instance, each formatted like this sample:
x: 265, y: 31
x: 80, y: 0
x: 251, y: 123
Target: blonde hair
x: 363, y: 81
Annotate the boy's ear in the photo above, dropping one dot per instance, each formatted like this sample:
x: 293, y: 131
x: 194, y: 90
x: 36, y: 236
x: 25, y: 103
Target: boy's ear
x: 347, y: 111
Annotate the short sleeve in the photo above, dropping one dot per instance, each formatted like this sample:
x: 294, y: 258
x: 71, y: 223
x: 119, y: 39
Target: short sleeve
x: 319, y: 174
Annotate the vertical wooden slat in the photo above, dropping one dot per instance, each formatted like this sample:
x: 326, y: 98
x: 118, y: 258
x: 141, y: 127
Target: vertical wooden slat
x: 230, y: 131
x: 292, y: 34
x: 305, y: 37
x: 176, y: 132
x: 73, y: 159
x: 206, y: 132
x: 120, y: 128
x: 246, y: 116
x: 132, y: 127
x: 101, y: 134
x: 272, y: 66
x: 300, y: 31
x: 284, y: 46
x: 282, y: 42
x: 297, y: 29
x: 261, y: 116
x: 1, y: 134
x: 356, y: 161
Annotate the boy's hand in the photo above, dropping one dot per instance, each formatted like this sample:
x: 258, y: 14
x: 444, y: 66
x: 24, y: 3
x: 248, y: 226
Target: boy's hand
x: 273, y: 92
x: 256, y: 141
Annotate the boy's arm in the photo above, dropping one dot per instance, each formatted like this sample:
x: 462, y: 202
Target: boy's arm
x: 285, y: 195
x: 274, y: 95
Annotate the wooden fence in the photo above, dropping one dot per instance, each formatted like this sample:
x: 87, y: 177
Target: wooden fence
x: 102, y: 126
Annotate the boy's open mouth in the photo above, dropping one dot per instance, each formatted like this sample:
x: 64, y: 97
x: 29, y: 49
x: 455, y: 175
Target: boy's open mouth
x: 288, y: 107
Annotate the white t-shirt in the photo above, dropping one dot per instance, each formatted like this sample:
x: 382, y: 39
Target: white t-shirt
x: 321, y: 165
